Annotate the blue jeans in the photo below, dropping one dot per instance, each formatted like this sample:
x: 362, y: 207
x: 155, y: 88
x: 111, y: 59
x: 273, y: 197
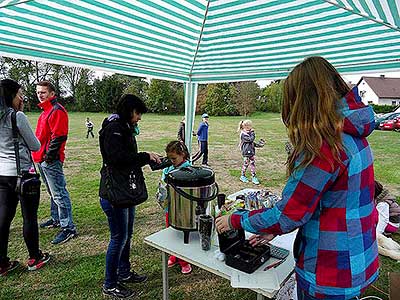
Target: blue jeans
x: 120, y: 221
x: 60, y: 202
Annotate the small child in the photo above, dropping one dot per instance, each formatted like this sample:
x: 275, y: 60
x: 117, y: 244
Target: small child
x: 181, y: 130
x: 89, y: 125
x: 388, y: 209
x: 202, y: 138
x: 247, y: 146
x: 178, y: 154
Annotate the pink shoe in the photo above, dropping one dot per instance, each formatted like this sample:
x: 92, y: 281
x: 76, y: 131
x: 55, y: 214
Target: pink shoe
x: 35, y: 264
x: 172, y: 261
x: 186, y: 269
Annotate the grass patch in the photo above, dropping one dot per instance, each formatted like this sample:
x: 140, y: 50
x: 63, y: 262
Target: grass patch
x: 77, y: 267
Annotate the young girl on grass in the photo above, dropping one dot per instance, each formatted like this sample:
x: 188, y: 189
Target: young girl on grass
x: 247, y: 146
x: 178, y: 154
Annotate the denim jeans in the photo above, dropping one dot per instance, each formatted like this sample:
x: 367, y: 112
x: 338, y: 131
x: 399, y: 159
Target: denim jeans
x: 60, y: 202
x: 120, y: 221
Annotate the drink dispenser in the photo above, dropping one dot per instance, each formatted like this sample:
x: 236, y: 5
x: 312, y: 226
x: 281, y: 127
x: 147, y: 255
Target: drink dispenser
x: 189, y: 191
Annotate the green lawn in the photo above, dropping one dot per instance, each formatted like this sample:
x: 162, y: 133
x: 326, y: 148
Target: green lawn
x: 77, y: 267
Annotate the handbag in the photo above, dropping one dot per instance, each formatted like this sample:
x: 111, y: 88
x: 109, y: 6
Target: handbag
x: 125, y: 188
x: 28, y: 184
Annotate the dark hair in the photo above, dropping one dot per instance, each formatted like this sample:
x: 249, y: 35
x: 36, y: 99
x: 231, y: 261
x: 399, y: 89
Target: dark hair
x: 48, y: 84
x: 378, y: 188
x: 128, y: 104
x: 9, y: 90
x: 177, y: 147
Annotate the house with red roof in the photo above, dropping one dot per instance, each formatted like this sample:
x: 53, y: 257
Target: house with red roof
x: 380, y: 90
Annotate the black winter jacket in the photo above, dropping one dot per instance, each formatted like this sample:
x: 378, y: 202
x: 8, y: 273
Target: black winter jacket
x: 119, y: 150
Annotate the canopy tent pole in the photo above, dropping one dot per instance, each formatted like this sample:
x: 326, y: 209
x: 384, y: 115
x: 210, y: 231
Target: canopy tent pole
x: 190, y: 111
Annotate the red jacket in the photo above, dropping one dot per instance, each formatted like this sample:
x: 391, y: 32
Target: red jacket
x: 52, y: 131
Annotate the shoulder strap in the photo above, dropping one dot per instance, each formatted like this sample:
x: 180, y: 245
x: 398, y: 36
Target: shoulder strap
x: 15, y: 140
x: 16, y: 144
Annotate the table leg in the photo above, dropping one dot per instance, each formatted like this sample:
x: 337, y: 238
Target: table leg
x: 165, y: 275
x: 260, y: 297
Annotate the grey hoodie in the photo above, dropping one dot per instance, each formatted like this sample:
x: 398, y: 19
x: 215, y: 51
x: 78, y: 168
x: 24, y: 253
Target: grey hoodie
x: 247, y: 143
x: 26, y: 135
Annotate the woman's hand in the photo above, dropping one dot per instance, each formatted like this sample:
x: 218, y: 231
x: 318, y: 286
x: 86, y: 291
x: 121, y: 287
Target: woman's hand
x: 260, y: 239
x: 222, y: 224
x: 155, y: 157
x: 21, y: 105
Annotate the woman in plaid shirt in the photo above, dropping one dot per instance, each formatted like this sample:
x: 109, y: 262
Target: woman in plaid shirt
x: 330, y: 190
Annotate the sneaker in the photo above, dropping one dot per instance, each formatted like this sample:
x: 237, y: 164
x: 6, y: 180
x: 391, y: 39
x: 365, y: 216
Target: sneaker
x: 37, y: 263
x: 50, y: 224
x: 12, y: 265
x: 255, y: 180
x: 186, y: 269
x: 119, y: 292
x: 133, y: 277
x: 63, y: 236
x: 244, y: 179
x: 172, y: 261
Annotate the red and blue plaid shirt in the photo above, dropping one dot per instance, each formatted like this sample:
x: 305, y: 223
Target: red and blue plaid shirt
x: 332, y: 204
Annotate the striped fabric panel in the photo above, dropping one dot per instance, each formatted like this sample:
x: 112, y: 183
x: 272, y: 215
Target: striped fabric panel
x: 203, y: 41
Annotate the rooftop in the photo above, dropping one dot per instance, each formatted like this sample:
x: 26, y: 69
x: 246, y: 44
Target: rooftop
x: 384, y: 87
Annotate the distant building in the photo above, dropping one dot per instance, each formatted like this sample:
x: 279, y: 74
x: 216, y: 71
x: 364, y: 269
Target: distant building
x: 379, y: 90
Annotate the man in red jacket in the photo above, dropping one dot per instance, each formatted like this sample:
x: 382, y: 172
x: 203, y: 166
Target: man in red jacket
x: 52, y: 131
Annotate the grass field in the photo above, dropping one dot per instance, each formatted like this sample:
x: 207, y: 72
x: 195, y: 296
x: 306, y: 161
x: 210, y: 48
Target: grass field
x: 77, y: 267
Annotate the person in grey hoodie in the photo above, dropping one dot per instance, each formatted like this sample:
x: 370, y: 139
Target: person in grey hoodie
x: 11, y: 99
x: 247, y: 147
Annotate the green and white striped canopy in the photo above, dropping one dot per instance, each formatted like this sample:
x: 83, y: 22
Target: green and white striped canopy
x: 203, y: 41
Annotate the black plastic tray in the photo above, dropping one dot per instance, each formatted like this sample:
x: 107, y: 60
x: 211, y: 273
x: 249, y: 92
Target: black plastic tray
x: 239, y: 254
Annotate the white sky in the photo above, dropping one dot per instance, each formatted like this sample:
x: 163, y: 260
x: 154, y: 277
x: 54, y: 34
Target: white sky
x: 353, y: 78
x: 263, y: 83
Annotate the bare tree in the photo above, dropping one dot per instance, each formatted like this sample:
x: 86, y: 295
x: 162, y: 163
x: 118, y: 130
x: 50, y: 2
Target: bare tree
x: 28, y: 74
x: 3, y: 68
x: 72, y: 76
x: 246, y: 96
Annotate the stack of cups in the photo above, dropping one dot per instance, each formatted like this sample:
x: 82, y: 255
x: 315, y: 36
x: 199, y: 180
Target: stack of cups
x: 205, y: 230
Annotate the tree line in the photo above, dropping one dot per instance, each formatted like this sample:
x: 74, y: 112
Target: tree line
x: 80, y: 90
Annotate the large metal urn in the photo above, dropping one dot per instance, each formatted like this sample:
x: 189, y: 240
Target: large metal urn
x: 189, y: 191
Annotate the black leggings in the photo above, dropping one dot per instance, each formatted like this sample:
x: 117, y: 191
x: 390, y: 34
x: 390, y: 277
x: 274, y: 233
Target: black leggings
x: 8, y: 207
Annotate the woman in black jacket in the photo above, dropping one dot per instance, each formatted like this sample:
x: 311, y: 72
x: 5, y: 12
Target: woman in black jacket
x: 120, y: 153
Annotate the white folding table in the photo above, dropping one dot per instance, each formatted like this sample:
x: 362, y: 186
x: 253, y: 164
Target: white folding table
x: 170, y: 242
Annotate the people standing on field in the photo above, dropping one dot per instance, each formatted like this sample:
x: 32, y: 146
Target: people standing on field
x: 52, y: 132
x: 11, y: 104
x: 89, y: 126
x: 202, y: 137
x: 181, y: 130
x: 178, y: 154
x: 119, y: 151
x: 248, y: 146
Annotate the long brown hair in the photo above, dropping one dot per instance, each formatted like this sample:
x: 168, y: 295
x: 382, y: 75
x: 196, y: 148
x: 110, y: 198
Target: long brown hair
x: 310, y: 110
